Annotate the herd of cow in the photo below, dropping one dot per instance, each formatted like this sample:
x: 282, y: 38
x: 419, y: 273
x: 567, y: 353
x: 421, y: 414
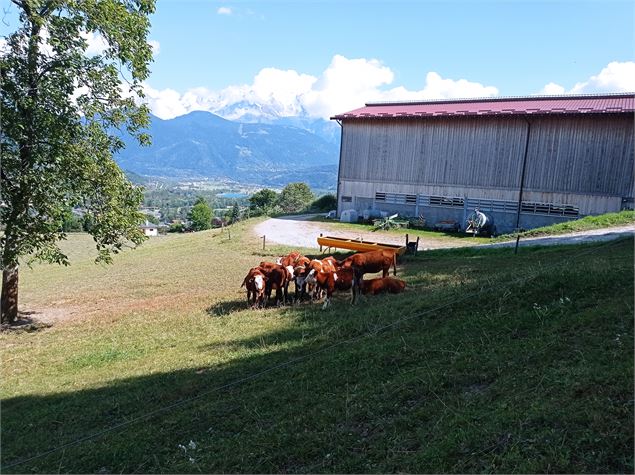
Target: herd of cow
x: 317, y: 278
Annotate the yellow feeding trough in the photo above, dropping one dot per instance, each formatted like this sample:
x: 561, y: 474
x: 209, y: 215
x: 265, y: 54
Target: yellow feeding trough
x: 358, y: 244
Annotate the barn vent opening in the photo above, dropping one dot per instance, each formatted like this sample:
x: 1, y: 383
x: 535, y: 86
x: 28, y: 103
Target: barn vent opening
x: 549, y: 209
x: 446, y: 202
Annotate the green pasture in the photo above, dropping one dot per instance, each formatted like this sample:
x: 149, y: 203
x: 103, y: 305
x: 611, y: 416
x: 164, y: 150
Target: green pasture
x: 489, y: 362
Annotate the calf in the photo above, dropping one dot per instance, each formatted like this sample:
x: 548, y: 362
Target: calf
x: 255, y: 283
x: 294, y: 259
x: 316, y: 267
x: 278, y: 278
x: 385, y: 284
x: 332, y: 281
x: 369, y: 262
x: 299, y: 277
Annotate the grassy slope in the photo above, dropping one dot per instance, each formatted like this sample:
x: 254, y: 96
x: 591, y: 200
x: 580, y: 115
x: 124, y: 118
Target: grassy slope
x: 587, y: 223
x: 492, y: 363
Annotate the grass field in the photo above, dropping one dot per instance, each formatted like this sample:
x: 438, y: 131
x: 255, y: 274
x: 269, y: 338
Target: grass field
x: 489, y: 362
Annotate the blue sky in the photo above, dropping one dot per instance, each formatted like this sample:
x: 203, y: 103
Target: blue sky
x: 325, y: 57
x: 519, y: 46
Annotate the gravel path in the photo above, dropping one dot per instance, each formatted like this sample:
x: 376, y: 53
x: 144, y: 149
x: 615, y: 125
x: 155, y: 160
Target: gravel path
x: 297, y: 231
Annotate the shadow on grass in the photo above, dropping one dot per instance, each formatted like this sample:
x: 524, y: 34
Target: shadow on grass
x: 27, y: 322
x: 227, y: 307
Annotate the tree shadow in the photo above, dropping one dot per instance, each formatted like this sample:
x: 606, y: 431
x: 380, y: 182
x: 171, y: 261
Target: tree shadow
x: 26, y: 322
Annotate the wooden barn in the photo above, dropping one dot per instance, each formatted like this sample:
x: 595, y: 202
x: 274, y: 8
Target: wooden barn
x: 559, y: 158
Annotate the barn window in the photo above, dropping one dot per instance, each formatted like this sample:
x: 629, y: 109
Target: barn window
x: 396, y: 198
x: 380, y: 196
x: 549, y: 209
x: 492, y: 205
x: 347, y: 199
x: 446, y: 202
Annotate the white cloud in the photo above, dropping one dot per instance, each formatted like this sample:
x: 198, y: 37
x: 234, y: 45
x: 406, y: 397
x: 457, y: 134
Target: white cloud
x: 615, y: 77
x: 166, y: 103
x: 224, y: 11
x: 344, y: 85
x: 156, y: 47
x: 283, y: 87
x: 552, y: 89
x: 96, y: 43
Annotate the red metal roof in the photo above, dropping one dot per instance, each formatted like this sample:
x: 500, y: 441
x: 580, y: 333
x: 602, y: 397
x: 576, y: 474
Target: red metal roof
x: 594, y: 104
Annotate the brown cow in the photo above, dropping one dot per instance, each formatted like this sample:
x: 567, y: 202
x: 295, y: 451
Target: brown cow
x: 293, y: 259
x: 299, y: 277
x: 315, y: 267
x: 278, y: 278
x: 255, y: 283
x: 385, y: 284
x: 294, y: 263
x: 370, y: 262
x: 332, y: 281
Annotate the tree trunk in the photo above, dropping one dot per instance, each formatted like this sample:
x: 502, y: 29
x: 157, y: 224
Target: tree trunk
x: 9, y: 303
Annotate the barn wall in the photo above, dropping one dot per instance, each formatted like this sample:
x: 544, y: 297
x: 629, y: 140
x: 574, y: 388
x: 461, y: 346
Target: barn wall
x: 585, y: 161
x: 591, y: 154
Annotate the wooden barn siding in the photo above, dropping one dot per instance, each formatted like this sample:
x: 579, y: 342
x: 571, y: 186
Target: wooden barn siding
x: 568, y: 154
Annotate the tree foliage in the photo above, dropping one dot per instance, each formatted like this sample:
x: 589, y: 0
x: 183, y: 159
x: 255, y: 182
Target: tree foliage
x: 263, y: 201
x: 63, y: 113
x: 235, y: 213
x: 325, y: 203
x: 295, y: 197
x: 200, y: 215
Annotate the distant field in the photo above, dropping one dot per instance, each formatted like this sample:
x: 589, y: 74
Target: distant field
x: 489, y: 362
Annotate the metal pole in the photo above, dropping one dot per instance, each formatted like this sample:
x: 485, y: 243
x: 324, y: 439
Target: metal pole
x: 522, y: 185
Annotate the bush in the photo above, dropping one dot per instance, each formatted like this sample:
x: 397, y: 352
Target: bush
x: 72, y: 223
x: 325, y: 203
x: 295, y: 197
x: 200, y: 215
x: 176, y: 228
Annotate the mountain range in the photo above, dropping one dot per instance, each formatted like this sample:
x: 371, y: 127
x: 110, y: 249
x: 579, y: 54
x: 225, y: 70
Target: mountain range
x: 202, y: 144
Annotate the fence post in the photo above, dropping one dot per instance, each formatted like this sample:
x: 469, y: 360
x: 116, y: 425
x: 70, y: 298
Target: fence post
x: 264, y: 239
